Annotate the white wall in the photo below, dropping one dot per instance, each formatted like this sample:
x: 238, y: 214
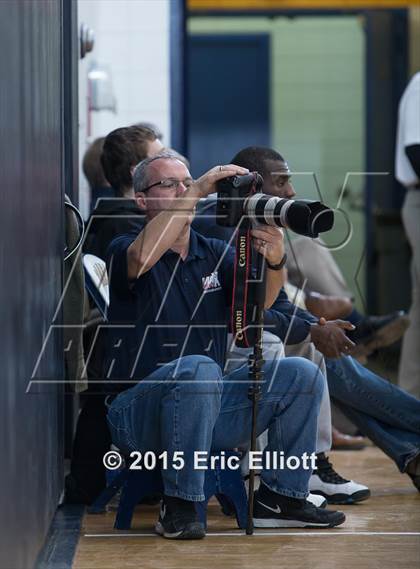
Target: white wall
x: 132, y: 39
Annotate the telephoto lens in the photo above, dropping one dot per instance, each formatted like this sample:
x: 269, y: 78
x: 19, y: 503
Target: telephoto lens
x: 306, y: 217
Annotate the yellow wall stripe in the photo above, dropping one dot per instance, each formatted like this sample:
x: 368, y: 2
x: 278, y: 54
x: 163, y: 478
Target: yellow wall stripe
x: 296, y: 4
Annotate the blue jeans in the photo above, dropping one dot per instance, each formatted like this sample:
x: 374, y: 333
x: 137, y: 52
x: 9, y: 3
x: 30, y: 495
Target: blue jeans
x: 389, y: 416
x: 187, y: 405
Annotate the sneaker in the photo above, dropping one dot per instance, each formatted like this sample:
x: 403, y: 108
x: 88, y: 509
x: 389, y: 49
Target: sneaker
x: 178, y: 520
x: 272, y: 510
x: 317, y: 500
x: 337, y: 490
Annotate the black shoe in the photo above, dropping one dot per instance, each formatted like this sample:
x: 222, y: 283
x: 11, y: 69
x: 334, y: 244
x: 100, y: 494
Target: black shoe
x: 326, y: 482
x: 413, y: 471
x: 77, y: 494
x: 374, y: 332
x: 178, y: 520
x: 272, y: 510
x: 151, y: 500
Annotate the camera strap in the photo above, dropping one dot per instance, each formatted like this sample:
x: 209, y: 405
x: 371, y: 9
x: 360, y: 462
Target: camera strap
x: 243, y: 301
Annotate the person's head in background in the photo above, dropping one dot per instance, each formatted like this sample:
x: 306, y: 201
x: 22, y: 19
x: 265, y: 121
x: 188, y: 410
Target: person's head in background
x: 92, y: 167
x: 94, y: 173
x: 272, y: 167
x: 151, y: 126
x: 166, y: 149
x: 123, y: 149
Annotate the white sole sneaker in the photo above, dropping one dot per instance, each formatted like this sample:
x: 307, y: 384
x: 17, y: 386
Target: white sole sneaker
x: 275, y: 523
x: 348, y: 493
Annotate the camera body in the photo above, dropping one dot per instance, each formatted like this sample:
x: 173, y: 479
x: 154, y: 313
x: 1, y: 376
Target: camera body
x: 240, y: 197
x: 231, y: 195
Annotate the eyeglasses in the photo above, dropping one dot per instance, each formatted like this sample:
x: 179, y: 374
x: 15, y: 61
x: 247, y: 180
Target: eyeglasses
x: 170, y: 184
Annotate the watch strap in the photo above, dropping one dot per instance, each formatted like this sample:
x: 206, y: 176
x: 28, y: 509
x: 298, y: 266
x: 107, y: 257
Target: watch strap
x: 279, y: 266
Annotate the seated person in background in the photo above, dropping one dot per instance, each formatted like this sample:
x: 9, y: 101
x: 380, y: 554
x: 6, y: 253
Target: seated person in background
x: 326, y: 292
x: 122, y: 149
x: 334, y: 301
x: 92, y: 169
x: 151, y: 126
x: 389, y: 416
x: 166, y: 373
x: 335, y: 308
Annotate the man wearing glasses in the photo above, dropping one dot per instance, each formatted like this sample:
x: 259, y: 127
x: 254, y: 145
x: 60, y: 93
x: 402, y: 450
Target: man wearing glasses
x: 170, y: 294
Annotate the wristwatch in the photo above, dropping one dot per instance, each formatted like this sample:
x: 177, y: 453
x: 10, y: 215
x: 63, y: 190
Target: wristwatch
x: 279, y: 266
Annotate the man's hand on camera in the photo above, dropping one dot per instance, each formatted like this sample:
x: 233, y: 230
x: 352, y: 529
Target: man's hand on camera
x: 206, y: 184
x: 330, y: 338
x: 269, y: 242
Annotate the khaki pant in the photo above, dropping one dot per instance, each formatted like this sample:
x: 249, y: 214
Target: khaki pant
x: 305, y: 257
x: 306, y: 349
x: 409, y: 372
x: 273, y: 349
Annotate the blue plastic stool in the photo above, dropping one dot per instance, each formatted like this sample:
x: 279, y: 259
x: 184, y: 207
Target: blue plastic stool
x: 229, y: 488
x: 227, y: 485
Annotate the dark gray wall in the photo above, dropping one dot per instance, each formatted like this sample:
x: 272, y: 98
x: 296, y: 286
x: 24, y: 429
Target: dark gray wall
x: 386, y: 77
x: 31, y: 241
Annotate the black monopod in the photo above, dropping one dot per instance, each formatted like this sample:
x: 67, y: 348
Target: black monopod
x: 256, y: 375
x: 248, y: 307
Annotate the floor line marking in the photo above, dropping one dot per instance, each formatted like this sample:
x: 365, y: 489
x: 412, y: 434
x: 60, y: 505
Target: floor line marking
x: 271, y: 534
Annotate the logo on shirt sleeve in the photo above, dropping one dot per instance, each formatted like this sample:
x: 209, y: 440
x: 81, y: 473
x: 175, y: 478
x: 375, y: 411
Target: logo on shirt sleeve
x: 211, y: 282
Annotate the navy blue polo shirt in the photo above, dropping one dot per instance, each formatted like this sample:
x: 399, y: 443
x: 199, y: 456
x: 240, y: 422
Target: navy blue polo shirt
x: 177, y: 308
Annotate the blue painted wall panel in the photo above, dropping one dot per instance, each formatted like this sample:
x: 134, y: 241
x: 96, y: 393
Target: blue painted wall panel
x: 228, y: 97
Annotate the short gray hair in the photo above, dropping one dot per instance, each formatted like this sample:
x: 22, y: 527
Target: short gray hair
x: 140, y: 174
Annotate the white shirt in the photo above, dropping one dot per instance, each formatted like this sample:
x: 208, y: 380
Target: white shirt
x: 408, y: 132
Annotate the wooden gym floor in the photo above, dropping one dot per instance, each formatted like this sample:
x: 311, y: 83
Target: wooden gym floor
x: 383, y: 532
